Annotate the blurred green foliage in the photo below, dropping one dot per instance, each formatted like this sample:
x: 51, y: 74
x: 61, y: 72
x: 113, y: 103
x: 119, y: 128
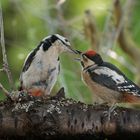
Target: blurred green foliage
x: 26, y: 22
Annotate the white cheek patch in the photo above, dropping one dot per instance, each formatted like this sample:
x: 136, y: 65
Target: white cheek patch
x: 89, y: 63
x: 119, y: 79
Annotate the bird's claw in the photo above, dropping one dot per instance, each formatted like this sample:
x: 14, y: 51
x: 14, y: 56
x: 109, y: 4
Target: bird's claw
x: 110, y: 111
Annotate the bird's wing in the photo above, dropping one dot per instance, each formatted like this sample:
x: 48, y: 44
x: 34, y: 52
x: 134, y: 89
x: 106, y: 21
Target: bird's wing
x: 111, y: 77
x: 29, y: 59
x: 129, y: 87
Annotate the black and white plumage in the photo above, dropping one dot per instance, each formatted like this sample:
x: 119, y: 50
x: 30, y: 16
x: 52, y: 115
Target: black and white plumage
x: 106, y: 81
x: 42, y: 65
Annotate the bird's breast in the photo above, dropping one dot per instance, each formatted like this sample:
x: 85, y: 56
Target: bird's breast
x: 40, y: 70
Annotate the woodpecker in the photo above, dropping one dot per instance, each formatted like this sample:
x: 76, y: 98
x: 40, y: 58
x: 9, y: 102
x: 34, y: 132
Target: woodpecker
x: 106, y: 81
x: 42, y: 65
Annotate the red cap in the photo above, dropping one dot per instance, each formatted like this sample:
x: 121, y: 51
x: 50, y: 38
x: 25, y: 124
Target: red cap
x: 90, y: 53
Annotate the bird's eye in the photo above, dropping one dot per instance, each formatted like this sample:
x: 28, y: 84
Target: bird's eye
x: 66, y: 40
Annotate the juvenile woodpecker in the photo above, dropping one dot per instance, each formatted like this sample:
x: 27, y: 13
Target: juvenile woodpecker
x: 42, y: 65
x: 106, y: 81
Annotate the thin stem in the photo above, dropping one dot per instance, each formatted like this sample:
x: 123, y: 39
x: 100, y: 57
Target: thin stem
x: 5, y: 61
x: 7, y: 94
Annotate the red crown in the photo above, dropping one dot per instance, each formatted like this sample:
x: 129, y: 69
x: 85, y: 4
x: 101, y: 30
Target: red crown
x: 90, y: 53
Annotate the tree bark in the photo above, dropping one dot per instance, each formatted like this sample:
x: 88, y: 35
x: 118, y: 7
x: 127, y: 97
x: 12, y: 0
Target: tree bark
x: 58, y: 117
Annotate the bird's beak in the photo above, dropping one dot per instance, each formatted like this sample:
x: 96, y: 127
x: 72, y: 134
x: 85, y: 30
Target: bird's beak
x: 78, y: 59
x: 72, y: 50
x: 78, y: 52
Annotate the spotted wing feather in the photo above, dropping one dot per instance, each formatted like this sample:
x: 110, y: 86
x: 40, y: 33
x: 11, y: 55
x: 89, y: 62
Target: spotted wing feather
x: 111, y: 77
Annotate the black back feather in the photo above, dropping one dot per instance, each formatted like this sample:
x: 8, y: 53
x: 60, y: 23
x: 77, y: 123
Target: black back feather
x: 107, y: 81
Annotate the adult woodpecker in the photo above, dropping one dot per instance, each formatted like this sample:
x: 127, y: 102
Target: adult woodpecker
x: 106, y: 81
x: 42, y: 65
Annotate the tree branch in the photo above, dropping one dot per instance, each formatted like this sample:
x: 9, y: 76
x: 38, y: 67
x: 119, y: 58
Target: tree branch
x: 59, y: 117
x: 4, y: 90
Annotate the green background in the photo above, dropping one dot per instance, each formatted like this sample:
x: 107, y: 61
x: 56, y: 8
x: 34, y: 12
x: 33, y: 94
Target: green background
x: 27, y: 22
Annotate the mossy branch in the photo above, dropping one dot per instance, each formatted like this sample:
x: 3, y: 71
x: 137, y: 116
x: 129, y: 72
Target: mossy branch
x: 58, y: 117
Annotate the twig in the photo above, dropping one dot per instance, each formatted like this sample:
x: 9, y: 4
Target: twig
x: 5, y: 61
x: 5, y: 91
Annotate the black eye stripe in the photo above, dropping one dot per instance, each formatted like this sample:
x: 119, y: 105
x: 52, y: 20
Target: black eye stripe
x: 64, y: 43
x: 66, y: 40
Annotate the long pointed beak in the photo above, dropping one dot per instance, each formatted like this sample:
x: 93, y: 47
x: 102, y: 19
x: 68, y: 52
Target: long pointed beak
x: 72, y: 50
x: 78, y: 59
x: 78, y: 52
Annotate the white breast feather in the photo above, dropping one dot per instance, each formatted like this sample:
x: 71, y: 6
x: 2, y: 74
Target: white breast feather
x: 38, y: 70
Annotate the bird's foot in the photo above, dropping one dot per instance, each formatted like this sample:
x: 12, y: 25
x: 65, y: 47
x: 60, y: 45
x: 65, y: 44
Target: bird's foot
x: 110, y: 111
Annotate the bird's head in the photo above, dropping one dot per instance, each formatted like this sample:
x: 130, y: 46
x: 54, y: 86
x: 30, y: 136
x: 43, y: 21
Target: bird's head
x: 90, y: 58
x: 59, y: 42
